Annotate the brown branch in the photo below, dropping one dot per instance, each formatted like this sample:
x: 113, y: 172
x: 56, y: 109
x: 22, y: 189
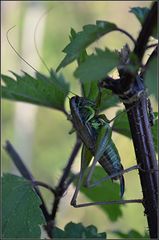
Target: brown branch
x: 145, y: 155
x: 149, y: 24
x: 62, y: 186
x: 26, y: 174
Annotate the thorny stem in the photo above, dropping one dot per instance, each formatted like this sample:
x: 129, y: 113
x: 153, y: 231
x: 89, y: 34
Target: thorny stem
x: 61, y: 187
x: 145, y: 155
x: 139, y: 123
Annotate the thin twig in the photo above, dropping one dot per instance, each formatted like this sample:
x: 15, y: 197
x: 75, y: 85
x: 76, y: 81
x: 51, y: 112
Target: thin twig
x: 42, y: 184
x: 26, y: 174
x: 61, y: 186
x: 146, y: 31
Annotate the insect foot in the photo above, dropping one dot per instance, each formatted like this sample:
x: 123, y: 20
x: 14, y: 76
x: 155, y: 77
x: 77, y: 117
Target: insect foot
x: 73, y: 203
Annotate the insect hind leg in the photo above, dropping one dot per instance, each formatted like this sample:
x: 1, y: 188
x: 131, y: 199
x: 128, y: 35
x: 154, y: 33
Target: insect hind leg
x: 119, y: 174
x: 135, y: 167
x: 121, y: 201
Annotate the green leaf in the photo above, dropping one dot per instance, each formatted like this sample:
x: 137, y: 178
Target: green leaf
x: 77, y: 230
x: 45, y: 91
x: 90, y: 89
x: 151, y: 77
x: 154, y: 130
x: 103, y: 139
x: 131, y: 234
x: 121, y: 124
x: 140, y: 12
x: 97, y: 66
x: 107, y: 191
x: 21, y: 214
x: 108, y: 99
x: 83, y: 39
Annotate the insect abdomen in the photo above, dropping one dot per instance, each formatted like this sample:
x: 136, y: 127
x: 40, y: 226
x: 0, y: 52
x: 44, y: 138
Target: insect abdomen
x: 111, y: 160
x: 111, y: 163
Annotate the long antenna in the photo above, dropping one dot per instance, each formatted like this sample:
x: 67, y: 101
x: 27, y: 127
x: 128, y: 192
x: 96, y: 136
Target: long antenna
x: 18, y: 54
x: 35, y: 42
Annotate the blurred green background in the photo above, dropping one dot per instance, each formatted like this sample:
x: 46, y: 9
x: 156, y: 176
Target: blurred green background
x: 39, y: 134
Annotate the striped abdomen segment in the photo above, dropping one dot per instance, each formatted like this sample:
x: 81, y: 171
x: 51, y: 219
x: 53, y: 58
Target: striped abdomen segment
x: 111, y: 163
x: 111, y: 160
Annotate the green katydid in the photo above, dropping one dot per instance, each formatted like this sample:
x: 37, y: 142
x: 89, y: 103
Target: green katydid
x: 95, y: 133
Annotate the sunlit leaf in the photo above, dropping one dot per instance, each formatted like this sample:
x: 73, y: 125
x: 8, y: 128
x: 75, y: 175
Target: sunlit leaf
x: 21, y: 214
x: 107, y: 191
x: 77, y: 230
x: 140, y: 13
x: 83, y: 39
x: 131, y: 234
x: 121, y: 125
x: 151, y: 78
x: 154, y: 130
x: 108, y: 99
x: 45, y: 91
x: 97, y: 66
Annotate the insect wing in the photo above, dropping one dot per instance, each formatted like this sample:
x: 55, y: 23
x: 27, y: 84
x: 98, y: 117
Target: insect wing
x: 83, y: 129
x: 103, y: 139
x: 86, y: 157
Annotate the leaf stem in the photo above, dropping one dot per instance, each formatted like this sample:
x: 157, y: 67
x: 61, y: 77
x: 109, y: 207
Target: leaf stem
x: 127, y: 34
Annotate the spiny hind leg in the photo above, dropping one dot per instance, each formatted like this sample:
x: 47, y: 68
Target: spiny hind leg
x: 121, y: 201
x: 98, y: 182
x: 135, y: 167
x: 88, y: 204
